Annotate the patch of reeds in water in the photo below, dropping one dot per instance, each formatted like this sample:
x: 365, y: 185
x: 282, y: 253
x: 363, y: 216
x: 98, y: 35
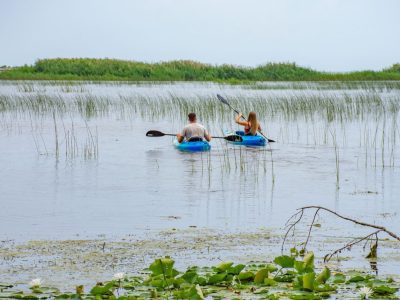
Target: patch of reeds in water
x: 309, y: 116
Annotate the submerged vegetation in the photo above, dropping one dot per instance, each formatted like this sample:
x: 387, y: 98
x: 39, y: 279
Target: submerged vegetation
x: 112, y: 69
x: 291, y: 276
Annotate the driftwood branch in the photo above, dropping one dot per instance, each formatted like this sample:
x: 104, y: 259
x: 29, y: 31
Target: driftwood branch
x: 349, y: 245
x: 296, y: 218
x: 292, y: 226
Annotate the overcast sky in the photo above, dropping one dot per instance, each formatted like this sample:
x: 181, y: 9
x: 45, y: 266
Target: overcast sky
x: 330, y: 35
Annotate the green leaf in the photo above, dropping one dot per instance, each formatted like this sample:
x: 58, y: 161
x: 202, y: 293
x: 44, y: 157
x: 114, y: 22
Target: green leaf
x: 309, y: 261
x: 236, y: 269
x: 323, y: 276
x: 201, y: 280
x: 304, y: 296
x: 190, y: 276
x: 68, y: 296
x: 229, y: 277
x: 299, y: 266
x: 260, y: 276
x: 163, y: 266
x: 273, y: 297
x: 270, y: 282
x: 162, y: 283
x: 217, y: 278
x: 103, y: 289
x: 294, y: 252
x: 384, y: 290
x: 261, y: 291
x: 243, y: 276
x: 288, y: 277
x: 46, y: 290
x: 356, y: 278
x: 284, y: 261
x: 195, y: 293
x: 339, y: 278
x: 308, y: 281
x: 298, y: 282
x: 30, y: 297
x: 271, y: 268
x: 223, y: 266
x: 129, y: 297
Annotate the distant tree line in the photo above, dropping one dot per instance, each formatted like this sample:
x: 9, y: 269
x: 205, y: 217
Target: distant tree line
x: 182, y: 70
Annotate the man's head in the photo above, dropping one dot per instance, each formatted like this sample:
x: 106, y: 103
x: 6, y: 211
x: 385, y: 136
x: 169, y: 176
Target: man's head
x: 192, y: 117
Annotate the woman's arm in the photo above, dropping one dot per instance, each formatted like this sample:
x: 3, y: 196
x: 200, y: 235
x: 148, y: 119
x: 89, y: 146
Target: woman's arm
x: 240, y: 122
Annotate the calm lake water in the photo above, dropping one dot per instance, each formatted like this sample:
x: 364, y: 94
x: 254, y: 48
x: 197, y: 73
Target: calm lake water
x: 338, y: 149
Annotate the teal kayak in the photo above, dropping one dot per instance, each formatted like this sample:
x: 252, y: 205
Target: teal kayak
x: 248, y: 140
x: 198, y: 146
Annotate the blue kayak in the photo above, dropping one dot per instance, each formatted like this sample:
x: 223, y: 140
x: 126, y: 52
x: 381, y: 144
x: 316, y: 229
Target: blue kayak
x: 248, y: 140
x: 197, y: 146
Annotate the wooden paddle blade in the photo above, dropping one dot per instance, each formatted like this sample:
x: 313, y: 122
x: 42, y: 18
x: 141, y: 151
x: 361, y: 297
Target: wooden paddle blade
x: 222, y: 99
x: 234, y: 138
x: 154, y: 133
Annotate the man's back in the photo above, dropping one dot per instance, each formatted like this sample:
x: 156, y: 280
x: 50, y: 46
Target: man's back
x: 194, y: 130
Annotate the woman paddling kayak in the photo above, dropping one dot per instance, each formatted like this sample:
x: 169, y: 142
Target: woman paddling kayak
x: 251, y: 126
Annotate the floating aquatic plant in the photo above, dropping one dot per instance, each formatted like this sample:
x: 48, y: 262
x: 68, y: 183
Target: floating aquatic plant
x: 287, y: 277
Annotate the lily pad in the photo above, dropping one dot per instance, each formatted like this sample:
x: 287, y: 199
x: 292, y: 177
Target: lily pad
x: 235, y: 270
x: 260, y: 276
x: 163, y: 266
x: 323, y: 276
x: 243, y: 276
x: 308, y: 281
x: 216, y: 278
x: 384, y: 290
x: 356, y: 278
x: 224, y: 266
x: 284, y: 261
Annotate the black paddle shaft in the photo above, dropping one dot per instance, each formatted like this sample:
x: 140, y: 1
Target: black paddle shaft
x: 231, y: 138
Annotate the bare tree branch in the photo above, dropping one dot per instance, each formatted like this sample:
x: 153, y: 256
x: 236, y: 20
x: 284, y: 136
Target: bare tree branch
x: 349, y: 245
x: 381, y: 228
x: 300, y: 213
x: 309, y: 231
x: 292, y: 226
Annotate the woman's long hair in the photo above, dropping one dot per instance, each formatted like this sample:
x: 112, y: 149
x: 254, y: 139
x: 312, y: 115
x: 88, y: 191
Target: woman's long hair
x: 252, y: 119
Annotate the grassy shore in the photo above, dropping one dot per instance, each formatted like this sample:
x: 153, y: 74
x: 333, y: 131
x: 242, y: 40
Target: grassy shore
x: 111, y: 69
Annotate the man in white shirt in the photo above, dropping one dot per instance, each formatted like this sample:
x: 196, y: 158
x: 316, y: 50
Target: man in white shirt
x: 193, y: 130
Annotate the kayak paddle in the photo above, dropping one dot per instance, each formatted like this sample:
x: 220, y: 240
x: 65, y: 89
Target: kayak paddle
x: 230, y: 138
x: 223, y: 100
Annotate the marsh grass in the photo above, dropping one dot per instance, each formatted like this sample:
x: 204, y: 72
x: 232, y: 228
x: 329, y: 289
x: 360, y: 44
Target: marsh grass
x: 329, y: 105
x: 308, y: 116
